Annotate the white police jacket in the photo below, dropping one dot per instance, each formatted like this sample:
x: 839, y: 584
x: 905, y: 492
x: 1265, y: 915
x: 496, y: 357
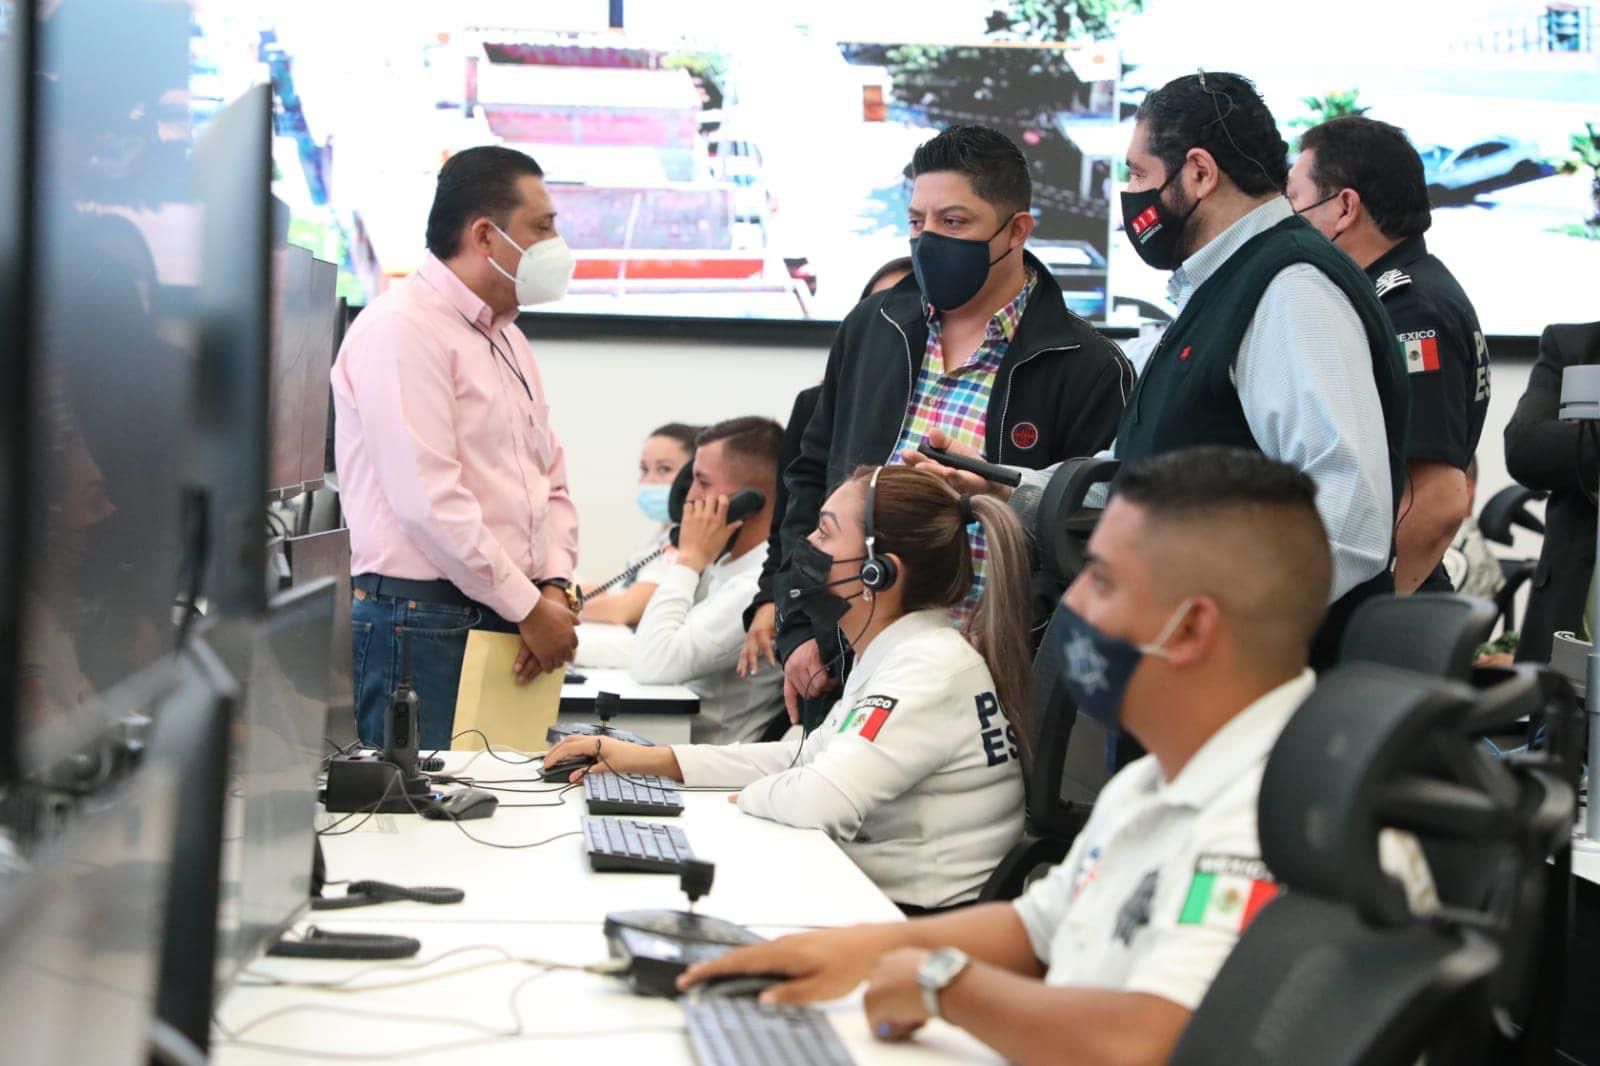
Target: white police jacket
x: 915, y: 771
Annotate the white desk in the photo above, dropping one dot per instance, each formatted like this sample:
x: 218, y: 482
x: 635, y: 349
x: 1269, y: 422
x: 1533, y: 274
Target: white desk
x: 659, y: 712
x: 544, y: 903
x: 578, y: 1016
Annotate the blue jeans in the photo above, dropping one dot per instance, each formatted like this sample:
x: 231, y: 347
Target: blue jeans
x: 437, y: 635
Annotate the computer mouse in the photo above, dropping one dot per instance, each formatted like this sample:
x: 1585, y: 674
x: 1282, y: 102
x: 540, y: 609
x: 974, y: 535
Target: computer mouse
x: 560, y: 771
x: 463, y: 805
x: 740, y: 984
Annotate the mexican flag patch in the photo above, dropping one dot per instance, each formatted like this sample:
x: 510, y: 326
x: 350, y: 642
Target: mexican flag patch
x: 1227, y: 892
x: 868, y: 716
x: 1421, y: 349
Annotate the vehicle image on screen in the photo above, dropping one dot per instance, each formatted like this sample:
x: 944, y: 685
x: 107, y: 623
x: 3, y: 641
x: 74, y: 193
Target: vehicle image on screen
x: 1491, y: 163
x: 1080, y: 269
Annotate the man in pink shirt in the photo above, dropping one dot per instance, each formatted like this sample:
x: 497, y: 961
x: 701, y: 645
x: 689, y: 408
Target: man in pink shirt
x: 451, y: 477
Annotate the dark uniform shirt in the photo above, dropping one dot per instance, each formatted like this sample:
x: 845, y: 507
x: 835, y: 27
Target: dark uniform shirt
x: 1445, y: 352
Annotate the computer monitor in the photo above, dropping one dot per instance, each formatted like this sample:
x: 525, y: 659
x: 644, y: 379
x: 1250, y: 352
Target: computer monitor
x: 110, y: 354
x: 312, y: 558
x: 194, y: 731
x: 81, y: 926
x: 233, y: 167
x: 16, y: 109
x: 284, y: 665
x: 324, y: 313
x: 341, y: 322
x: 294, y: 322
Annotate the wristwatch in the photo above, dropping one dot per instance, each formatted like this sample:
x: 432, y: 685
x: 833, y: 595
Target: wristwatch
x: 938, y: 970
x: 573, y: 594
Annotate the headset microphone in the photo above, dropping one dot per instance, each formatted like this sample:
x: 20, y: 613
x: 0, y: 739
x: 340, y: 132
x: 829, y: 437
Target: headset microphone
x: 879, y: 571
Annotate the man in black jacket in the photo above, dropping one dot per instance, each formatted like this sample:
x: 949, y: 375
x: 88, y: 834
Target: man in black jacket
x: 1545, y: 453
x: 761, y: 617
x: 979, y: 345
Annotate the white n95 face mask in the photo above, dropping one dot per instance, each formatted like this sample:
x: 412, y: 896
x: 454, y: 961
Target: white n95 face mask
x: 542, y: 272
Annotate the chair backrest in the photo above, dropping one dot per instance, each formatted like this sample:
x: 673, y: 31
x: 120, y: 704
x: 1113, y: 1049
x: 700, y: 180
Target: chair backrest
x: 1327, y: 786
x: 1055, y: 727
x: 1435, y: 633
x: 1508, y: 508
x: 1311, y: 984
x: 1337, y: 971
x: 1066, y: 516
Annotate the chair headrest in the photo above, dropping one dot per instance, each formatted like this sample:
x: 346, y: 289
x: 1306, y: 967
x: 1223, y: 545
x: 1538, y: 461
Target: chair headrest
x: 1363, y: 731
x: 1436, y: 633
x: 1061, y: 529
x: 1508, y: 508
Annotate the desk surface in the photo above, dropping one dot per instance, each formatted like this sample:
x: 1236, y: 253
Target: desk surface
x: 542, y: 903
x: 483, y: 1008
x: 660, y: 699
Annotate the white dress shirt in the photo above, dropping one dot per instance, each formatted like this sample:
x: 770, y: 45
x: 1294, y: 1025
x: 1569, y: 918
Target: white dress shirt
x: 690, y: 635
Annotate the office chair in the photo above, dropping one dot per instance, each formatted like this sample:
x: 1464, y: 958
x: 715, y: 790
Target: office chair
x: 1519, y: 880
x: 1072, y: 758
x: 1336, y: 971
x: 1061, y: 779
x: 1434, y: 633
x: 1506, y: 509
x: 1065, y: 517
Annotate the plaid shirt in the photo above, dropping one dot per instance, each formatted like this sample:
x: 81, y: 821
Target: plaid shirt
x: 958, y: 403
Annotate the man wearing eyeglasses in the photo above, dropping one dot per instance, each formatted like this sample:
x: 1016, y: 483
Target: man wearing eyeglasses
x: 1361, y: 184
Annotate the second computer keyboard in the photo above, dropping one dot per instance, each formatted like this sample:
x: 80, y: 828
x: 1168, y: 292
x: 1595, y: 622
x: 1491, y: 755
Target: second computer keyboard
x: 643, y: 847
x: 737, y: 1030
x: 631, y: 794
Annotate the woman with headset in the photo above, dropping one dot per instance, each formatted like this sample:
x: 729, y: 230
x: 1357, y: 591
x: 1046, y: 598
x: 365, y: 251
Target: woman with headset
x: 917, y: 770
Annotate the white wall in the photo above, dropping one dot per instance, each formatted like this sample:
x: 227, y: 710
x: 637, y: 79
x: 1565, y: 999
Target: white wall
x: 607, y: 394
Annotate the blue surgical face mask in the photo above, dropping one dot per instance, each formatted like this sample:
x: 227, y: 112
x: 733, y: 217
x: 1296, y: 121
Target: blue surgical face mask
x: 652, y: 500
x: 1097, y: 667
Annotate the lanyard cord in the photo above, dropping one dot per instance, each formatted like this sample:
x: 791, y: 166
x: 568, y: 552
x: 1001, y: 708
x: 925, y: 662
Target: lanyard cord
x: 504, y: 358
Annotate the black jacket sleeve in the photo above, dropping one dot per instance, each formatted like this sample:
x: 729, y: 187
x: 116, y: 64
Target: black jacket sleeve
x: 806, y: 481
x: 1099, y: 412
x: 805, y: 402
x: 1543, y: 452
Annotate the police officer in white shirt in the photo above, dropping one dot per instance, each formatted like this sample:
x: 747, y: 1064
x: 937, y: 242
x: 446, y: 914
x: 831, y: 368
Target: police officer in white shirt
x: 1209, y: 572
x: 693, y: 627
x: 916, y: 771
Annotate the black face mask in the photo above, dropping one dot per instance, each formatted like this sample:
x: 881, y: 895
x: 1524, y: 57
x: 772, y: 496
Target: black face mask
x: 1154, y: 228
x: 810, y: 588
x: 951, y: 270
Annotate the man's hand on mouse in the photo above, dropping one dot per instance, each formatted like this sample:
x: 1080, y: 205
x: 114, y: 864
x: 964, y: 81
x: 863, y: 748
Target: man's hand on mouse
x: 822, y: 965
x: 615, y: 756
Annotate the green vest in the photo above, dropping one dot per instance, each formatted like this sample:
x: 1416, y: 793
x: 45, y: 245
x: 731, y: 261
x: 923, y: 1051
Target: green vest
x: 1186, y: 395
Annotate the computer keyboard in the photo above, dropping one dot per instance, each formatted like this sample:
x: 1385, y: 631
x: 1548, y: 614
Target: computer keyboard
x: 736, y: 1030
x: 642, y: 847
x: 631, y: 794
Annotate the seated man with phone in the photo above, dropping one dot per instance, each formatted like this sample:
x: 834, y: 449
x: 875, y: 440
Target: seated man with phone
x: 693, y: 627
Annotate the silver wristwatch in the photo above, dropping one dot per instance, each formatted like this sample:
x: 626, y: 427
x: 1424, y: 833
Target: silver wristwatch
x: 938, y: 970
